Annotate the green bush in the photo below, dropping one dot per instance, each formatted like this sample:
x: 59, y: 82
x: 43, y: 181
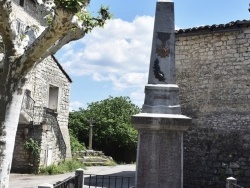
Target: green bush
x: 32, y: 146
x: 75, y: 144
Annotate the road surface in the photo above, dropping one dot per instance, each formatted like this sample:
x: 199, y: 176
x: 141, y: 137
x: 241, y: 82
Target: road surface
x: 32, y: 181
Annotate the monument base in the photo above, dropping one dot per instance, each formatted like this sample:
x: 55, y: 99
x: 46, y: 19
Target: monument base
x: 161, y: 98
x: 160, y: 150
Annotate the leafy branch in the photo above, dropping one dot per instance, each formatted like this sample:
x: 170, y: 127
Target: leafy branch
x: 90, y: 22
x: 32, y: 146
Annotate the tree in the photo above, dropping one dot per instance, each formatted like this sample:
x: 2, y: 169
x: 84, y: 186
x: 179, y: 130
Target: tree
x: 112, y: 132
x: 65, y: 21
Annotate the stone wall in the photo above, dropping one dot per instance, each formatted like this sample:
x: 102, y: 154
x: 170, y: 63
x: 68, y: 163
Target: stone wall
x: 28, y: 14
x: 213, y: 73
x: 42, y: 76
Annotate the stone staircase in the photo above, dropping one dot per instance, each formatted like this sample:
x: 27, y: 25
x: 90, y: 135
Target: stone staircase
x: 92, y: 158
x: 27, y: 110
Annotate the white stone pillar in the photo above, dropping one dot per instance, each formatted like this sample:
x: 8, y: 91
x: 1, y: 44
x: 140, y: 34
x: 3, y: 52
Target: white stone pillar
x: 230, y: 182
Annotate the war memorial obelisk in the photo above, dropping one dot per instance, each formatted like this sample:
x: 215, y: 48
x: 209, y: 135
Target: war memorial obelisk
x: 161, y: 125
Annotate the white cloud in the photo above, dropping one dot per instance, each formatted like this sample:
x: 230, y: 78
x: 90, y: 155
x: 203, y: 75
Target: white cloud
x: 118, y: 48
x: 130, y: 80
x: 138, y: 96
x: 99, y: 77
x: 119, y: 53
x: 75, y: 105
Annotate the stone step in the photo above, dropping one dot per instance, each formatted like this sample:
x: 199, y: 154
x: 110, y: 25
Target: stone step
x: 93, y: 159
x: 94, y: 163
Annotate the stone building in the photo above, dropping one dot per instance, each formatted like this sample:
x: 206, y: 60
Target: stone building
x: 43, y: 118
x: 213, y: 73
x: 43, y: 121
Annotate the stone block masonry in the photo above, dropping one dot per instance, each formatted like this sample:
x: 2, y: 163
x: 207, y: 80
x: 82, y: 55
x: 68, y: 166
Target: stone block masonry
x: 43, y: 76
x: 213, y: 73
x: 218, y: 67
x: 25, y: 161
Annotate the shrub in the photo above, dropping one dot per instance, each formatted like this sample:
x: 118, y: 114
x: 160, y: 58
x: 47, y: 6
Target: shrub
x: 75, y: 144
x: 62, y: 167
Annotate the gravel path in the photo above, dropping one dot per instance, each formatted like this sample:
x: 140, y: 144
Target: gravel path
x: 32, y: 181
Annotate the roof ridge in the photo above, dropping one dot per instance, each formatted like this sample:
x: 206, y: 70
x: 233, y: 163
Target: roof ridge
x: 214, y: 27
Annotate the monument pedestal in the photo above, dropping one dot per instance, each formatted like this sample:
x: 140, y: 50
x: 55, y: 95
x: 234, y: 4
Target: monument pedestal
x: 160, y: 150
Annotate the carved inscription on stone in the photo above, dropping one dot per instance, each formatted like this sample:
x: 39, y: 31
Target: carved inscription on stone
x: 161, y: 90
x: 170, y: 158
x: 148, y: 165
x: 166, y: 97
x: 161, y: 165
x: 155, y: 121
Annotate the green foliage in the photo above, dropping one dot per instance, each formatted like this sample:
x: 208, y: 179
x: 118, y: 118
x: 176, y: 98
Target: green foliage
x: 70, y: 5
x: 62, y: 167
x: 78, y: 7
x: 23, y: 36
x: 35, y: 27
x: 112, y: 131
x: 90, y: 22
x: 75, y: 144
x: 32, y: 146
x: 106, y: 163
x: 49, y: 18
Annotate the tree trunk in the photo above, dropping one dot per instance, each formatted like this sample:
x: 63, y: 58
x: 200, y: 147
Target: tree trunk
x: 8, y: 128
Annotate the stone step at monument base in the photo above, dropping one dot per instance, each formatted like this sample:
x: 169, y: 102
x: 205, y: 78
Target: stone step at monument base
x: 93, y: 158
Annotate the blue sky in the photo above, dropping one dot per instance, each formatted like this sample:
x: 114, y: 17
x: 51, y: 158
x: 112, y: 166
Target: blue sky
x: 114, y: 60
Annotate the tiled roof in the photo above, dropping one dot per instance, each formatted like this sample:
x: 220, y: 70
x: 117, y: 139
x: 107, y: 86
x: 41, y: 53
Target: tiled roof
x: 231, y: 25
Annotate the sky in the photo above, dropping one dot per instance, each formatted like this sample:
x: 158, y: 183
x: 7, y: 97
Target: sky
x: 114, y: 60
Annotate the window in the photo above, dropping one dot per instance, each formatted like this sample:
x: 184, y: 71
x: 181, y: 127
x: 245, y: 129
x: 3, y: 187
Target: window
x: 53, y: 97
x: 21, y: 3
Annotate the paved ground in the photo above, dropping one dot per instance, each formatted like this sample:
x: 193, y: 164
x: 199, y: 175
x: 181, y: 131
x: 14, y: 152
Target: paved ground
x: 32, y: 181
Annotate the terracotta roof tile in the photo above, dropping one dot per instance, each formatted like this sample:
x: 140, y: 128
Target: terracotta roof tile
x: 215, y: 27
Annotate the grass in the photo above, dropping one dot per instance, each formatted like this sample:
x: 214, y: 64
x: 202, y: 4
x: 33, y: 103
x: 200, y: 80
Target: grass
x: 62, y: 167
x: 69, y: 166
x: 106, y: 163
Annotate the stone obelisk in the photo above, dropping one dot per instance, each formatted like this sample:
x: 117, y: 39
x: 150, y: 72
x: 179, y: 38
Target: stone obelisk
x: 161, y: 125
